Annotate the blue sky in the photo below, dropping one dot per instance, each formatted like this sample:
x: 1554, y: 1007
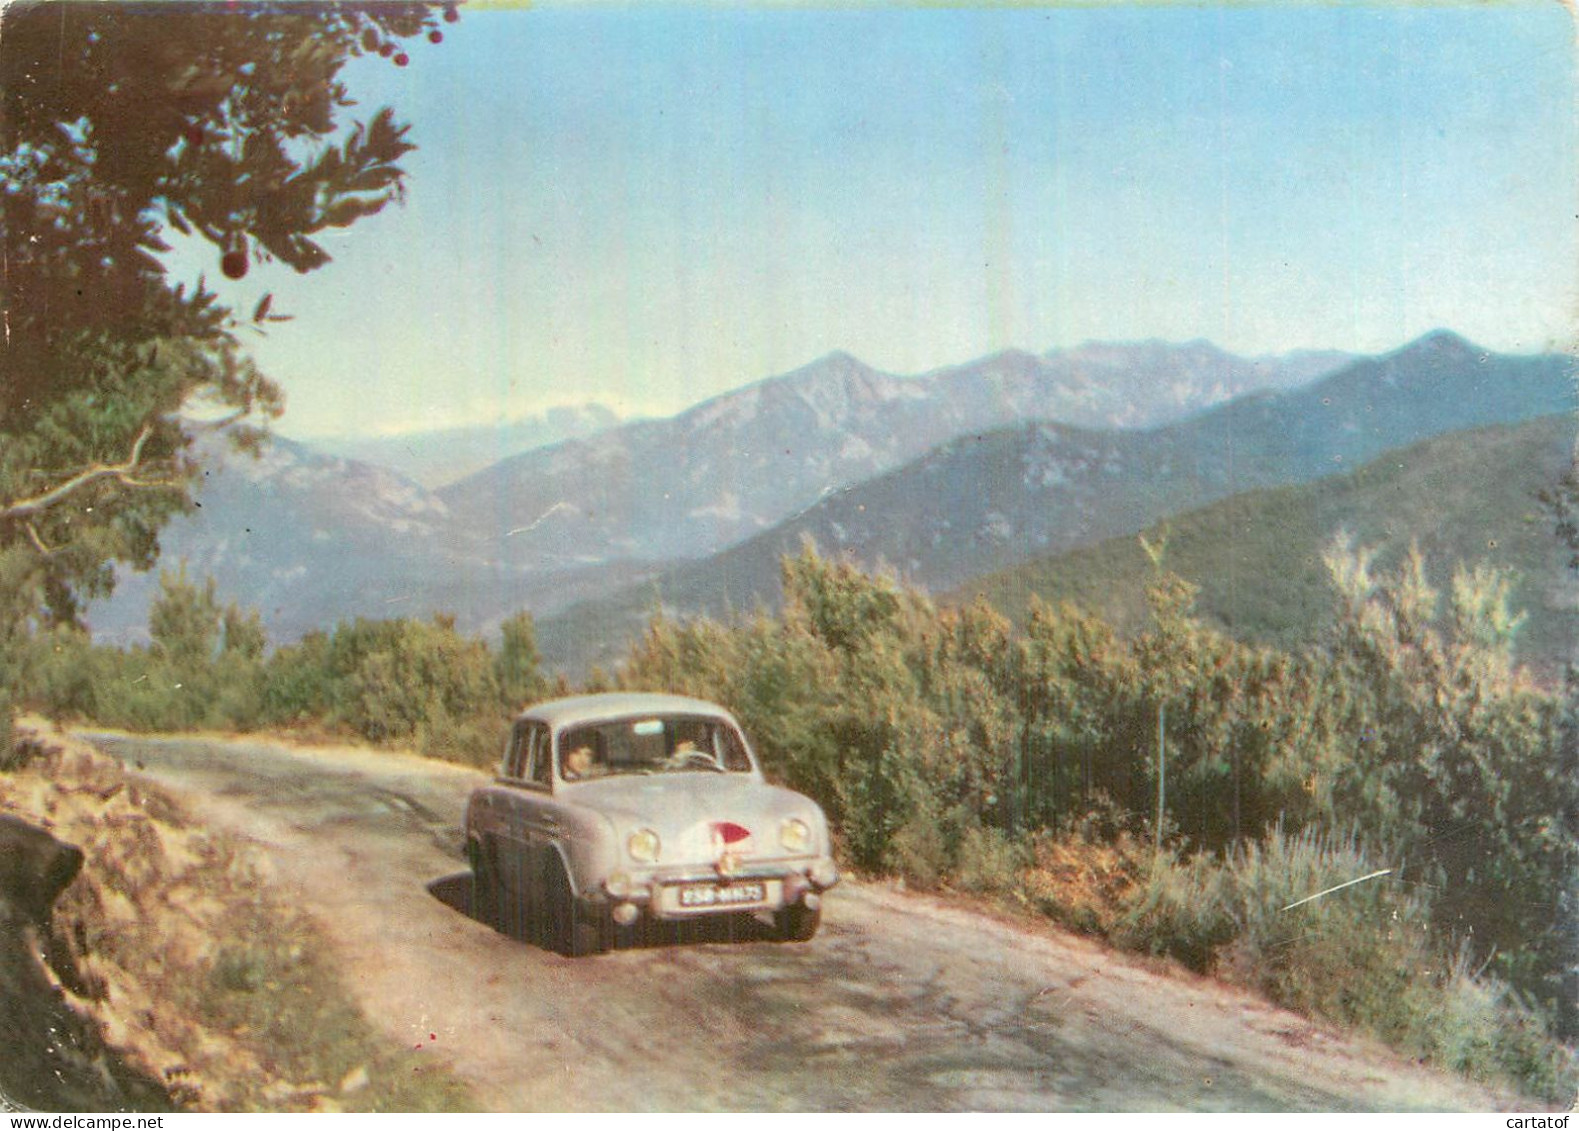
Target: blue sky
x: 646, y: 206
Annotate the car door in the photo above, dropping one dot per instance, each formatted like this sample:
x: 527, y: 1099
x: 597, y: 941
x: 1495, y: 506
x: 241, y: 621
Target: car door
x: 538, y: 819
x: 510, y: 819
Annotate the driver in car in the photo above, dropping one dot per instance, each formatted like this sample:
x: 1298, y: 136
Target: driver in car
x: 579, y: 763
x: 685, y: 750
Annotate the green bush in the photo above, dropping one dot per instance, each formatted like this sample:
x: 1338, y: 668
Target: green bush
x: 517, y: 667
x: 418, y: 677
x: 1480, y: 1028
x: 473, y: 741
x: 1363, y: 954
x: 299, y: 681
x: 1176, y: 909
x: 916, y: 851
x: 1349, y: 955
x: 1461, y: 762
x: 415, y: 682
x: 989, y: 861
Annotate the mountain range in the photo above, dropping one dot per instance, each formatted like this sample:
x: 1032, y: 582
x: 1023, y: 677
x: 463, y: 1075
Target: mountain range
x: 434, y: 457
x: 982, y: 503
x: 946, y: 476
x: 1464, y: 498
x: 734, y: 466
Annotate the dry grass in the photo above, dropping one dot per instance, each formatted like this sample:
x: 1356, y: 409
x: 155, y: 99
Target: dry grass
x: 196, y: 972
x: 1084, y: 882
x: 1363, y: 957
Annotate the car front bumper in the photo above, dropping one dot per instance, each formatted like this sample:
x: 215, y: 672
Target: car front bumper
x: 687, y: 892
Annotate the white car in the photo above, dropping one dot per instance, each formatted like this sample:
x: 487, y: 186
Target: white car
x: 613, y: 809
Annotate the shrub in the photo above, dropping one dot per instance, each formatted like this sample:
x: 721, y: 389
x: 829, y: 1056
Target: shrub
x: 391, y: 681
x: 58, y: 673
x: 298, y: 682
x: 1347, y: 955
x: 1084, y: 877
x: 989, y: 862
x: 916, y: 851
x: 473, y: 741
x: 1364, y: 955
x: 1480, y: 1028
x: 1176, y: 909
x: 1465, y: 765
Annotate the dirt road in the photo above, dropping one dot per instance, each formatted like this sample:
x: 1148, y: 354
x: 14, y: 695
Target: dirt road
x: 902, y: 1002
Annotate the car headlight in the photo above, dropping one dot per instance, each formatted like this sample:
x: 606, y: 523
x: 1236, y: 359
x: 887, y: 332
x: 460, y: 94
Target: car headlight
x: 795, y: 835
x: 643, y: 846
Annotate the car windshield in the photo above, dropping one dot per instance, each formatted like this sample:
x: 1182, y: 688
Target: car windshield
x: 651, y: 744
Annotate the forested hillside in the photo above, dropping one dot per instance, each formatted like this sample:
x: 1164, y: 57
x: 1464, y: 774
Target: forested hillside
x: 1257, y: 557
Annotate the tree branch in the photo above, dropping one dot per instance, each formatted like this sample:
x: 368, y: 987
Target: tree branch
x: 124, y: 473
x: 32, y: 532
x: 219, y: 423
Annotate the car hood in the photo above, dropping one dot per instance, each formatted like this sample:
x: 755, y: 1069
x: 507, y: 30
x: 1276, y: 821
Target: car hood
x: 690, y: 811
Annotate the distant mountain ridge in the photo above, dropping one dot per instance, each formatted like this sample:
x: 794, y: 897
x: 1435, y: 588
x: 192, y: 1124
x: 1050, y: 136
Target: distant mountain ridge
x: 981, y: 503
x: 434, y: 457
x: 736, y: 465
x: 297, y: 535
x: 310, y: 539
x: 1465, y: 497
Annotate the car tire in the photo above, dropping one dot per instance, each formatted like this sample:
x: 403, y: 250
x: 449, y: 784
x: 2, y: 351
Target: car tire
x: 590, y: 938
x: 627, y: 938
x: 485, y: 886
x: 567, y: 929
x: 797, y: 922
x: 515, y: 910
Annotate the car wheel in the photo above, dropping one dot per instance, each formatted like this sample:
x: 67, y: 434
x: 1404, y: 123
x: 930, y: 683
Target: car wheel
x: 797, y: 922
x: 625, y: 938
x: 567, y: 929
x: 509, y: 905
x: 493, y: 900
x: 485, y: 885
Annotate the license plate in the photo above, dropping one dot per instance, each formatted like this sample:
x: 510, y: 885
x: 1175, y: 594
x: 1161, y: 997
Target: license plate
x: 695, y: 896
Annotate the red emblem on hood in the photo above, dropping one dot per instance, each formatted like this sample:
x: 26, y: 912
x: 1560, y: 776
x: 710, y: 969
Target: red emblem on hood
x: 730, y: 834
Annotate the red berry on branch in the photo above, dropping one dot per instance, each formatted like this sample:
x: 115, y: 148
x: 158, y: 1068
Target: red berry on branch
x: 435, y: 37
x: 402, y: 59
x: 386, y: 49
x: 451, y: 15
x: 234, y: 263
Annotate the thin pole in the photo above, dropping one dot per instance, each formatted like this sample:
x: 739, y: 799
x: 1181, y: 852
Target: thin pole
x: 1233, y: 745
x: 1162, y: 770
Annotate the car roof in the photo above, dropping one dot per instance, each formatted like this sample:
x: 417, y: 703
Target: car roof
x: 618, y: 704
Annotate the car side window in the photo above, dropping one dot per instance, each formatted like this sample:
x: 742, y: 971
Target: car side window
x: 514, y: 766
x: 542, y: 763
